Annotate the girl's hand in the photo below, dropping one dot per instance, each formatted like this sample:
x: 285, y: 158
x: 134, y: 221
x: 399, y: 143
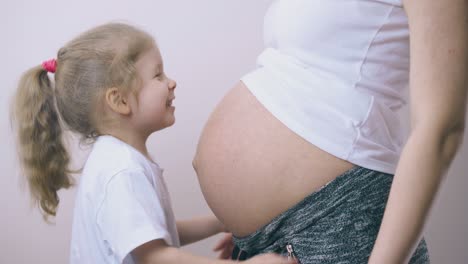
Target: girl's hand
x: 269, y: 259
x: 226, y: 246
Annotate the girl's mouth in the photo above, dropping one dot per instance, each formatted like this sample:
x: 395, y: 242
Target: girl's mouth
x: 169, y: 102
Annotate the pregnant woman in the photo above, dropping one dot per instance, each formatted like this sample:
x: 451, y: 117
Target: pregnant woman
x: 306, y: 155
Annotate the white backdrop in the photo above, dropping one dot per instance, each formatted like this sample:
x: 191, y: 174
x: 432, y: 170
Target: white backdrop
x: 206, y: 45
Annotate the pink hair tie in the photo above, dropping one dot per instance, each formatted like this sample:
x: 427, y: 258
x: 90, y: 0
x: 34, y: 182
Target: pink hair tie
x: 50, y: 65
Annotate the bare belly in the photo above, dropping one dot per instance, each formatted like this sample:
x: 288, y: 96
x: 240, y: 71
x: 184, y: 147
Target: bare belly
x: 252, y: 168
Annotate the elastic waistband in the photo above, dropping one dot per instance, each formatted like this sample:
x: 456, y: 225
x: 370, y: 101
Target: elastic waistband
x: 336, y: 196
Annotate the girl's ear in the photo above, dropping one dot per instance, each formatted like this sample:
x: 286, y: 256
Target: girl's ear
x: 117, y: 101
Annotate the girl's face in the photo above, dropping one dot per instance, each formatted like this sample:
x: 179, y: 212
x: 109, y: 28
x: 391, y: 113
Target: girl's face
x: 154, y: 110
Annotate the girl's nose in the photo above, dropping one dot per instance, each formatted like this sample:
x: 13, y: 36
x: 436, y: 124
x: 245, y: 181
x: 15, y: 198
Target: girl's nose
x: 172, y: 84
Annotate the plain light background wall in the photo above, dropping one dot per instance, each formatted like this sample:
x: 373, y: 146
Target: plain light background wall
x: 207, y: 45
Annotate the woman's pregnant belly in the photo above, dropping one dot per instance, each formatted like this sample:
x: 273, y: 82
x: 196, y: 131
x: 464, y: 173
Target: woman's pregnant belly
x: 252, y: 168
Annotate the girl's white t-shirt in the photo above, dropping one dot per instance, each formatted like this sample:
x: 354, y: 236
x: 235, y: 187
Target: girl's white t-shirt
x: 122, y: 202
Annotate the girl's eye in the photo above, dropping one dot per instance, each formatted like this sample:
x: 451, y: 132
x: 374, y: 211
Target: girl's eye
x: 159, y: 75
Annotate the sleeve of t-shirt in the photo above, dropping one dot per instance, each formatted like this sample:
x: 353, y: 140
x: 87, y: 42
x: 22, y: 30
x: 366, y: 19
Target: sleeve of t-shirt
x: 131, y: 213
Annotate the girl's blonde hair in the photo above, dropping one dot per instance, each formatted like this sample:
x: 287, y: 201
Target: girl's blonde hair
x: 100, y: 58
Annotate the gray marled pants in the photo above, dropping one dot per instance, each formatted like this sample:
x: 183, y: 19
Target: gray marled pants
x: 337, y: 224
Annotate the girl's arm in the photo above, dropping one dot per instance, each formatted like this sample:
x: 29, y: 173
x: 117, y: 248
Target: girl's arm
x: 438, y: 89
x: 197, y: 229
x: 157, y: 251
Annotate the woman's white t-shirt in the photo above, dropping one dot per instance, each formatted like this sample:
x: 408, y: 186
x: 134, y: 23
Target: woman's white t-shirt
x: 336, y: 73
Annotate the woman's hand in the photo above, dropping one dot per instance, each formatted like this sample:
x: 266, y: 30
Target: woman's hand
x: 225, y: 246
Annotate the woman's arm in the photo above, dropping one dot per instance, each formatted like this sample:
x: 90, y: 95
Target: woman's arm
x: 197, y: 229
x: 438, y: 90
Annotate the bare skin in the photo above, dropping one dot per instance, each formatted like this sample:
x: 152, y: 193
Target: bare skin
x: 438, y: 91
x: 139, y: 116
x: 252, y: 168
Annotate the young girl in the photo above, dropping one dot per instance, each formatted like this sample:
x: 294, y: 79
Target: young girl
x: 109, y: 86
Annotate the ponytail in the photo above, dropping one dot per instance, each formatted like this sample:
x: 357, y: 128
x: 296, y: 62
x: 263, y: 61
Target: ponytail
x: 42, y: 153
x: 84, y: 68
